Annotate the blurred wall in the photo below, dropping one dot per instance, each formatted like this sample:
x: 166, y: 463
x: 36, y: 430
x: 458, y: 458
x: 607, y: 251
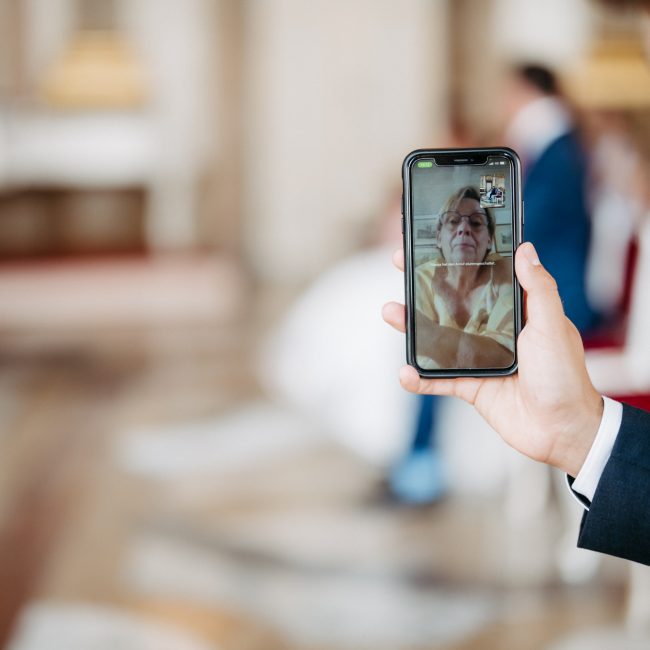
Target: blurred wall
x: 168, y: 142
x: 47, y: 25
x: 555, y: 32
x: 337, y: 93
x: 278, y: 126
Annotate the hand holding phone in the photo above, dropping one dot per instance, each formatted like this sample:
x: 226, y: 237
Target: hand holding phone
x: 549, y: 410
x: 462, y: 222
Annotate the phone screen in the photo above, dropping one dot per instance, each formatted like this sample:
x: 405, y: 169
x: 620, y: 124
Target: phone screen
x: 463, y: 226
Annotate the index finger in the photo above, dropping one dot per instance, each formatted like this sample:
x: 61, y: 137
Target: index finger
x: 466, y: 388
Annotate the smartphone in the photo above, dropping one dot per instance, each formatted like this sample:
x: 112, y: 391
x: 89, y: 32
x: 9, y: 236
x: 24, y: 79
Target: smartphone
x: 462, y: 222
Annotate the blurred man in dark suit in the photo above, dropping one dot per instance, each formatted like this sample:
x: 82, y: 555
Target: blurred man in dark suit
x: 541, y: 129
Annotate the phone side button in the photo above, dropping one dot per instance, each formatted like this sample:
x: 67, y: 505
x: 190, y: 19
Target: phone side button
x: 402, y: 225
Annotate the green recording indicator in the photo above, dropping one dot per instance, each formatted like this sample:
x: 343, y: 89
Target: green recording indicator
x: 423, y: 164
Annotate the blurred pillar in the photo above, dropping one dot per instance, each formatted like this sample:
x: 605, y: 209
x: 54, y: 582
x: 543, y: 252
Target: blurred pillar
x: 221, y: 216
x: 338, y: 91
x: 473, y: 67
x: 176, y: 40
x: 12, y: 82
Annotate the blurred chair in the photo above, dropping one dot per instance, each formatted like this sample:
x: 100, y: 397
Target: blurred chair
x: 623, y: 371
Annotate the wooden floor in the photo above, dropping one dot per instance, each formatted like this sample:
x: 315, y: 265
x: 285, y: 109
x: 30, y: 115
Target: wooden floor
x: 124, y: 493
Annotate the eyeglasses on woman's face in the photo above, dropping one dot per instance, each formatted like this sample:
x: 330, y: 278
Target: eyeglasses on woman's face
x: 452, y: 219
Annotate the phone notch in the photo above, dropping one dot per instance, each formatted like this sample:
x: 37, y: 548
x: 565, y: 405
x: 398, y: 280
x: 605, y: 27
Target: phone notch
x: 460, y: 158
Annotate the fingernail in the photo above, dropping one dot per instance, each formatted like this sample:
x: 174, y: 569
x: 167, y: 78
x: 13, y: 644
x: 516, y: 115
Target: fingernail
x: 531, y: 254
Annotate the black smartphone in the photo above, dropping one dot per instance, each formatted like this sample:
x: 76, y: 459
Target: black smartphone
x: 462, y: 222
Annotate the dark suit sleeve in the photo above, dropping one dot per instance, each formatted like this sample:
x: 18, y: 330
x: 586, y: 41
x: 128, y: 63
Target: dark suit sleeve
x: 618, y: 520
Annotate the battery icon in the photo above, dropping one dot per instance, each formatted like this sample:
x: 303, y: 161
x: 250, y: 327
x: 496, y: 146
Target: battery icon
x: 424, y: 164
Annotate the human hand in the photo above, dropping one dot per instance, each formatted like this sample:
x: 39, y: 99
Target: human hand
x: 550, y: 410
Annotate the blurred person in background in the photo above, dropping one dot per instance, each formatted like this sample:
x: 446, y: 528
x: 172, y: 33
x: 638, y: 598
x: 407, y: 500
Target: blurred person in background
x: 449, y: 306
x: 541, y: 129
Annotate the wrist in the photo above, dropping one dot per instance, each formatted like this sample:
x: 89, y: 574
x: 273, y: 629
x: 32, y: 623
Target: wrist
x: 579, y: 437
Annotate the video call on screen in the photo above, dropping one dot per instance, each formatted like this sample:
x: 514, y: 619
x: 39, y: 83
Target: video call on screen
x: 462, y: 235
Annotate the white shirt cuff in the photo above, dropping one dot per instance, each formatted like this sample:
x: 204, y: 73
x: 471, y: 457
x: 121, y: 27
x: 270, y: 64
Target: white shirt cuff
x: 601, y: 449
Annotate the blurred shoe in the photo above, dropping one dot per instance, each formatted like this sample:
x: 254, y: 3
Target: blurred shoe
x: 417, y: 478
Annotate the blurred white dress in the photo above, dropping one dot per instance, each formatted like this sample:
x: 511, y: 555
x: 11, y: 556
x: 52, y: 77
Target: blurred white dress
x: 335, y: 360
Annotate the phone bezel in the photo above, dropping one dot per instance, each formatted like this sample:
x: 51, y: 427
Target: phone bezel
x: 462, y: 157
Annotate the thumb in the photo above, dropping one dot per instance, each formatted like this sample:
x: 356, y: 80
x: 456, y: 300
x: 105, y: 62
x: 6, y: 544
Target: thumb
x: 543, y: 305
